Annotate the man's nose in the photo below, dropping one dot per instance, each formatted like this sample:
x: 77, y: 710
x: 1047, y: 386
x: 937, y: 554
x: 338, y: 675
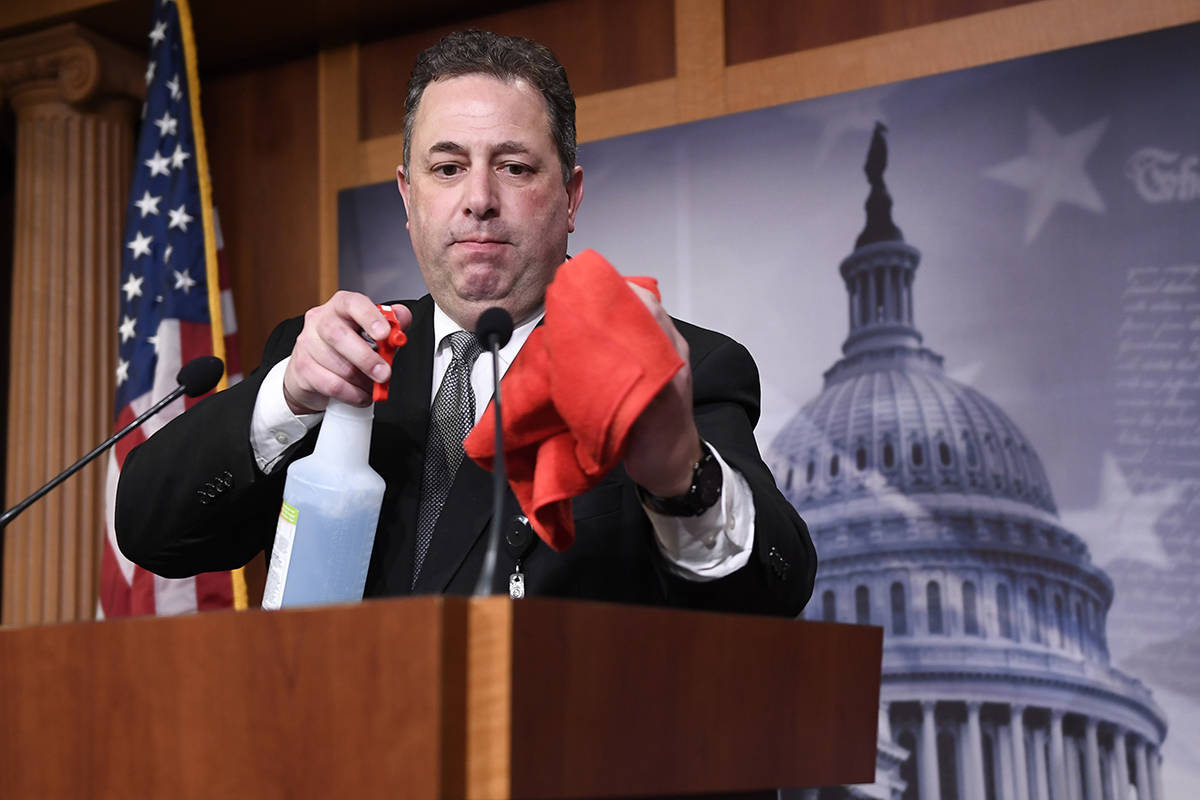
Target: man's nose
x: 481, y: 199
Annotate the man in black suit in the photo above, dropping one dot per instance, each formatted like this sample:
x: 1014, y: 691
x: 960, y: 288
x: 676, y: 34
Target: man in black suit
x: 691, y: 518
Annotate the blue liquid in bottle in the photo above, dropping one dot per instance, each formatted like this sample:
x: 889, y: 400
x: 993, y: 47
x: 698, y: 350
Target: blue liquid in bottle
x: 327, y: 523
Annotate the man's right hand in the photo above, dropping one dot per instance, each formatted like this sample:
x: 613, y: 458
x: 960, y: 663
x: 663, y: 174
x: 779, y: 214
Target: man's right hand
x: 331, y: 358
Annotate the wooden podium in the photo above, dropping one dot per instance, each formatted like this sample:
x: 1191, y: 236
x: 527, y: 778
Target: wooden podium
x: 436, y: 697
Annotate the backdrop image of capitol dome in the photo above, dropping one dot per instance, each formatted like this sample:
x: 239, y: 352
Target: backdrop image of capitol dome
x: 984, y: 400
x: 933, y: 517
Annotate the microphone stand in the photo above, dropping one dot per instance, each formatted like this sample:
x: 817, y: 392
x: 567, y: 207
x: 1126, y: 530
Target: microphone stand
x: 195, y: 378
x: 483, y: 586
x: 9, y: 515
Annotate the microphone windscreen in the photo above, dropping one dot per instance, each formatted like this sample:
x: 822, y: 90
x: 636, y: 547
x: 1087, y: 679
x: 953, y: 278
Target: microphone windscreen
x: 200, y: 375
x: 494, y: 324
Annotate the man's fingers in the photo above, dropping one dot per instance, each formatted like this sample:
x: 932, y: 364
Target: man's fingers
x: 342, y: 337
x: 327, y: 358
x: 331, y: 359
x: 359, y: 310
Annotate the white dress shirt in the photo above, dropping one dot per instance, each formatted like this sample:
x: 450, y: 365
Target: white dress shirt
x: 712, y: 545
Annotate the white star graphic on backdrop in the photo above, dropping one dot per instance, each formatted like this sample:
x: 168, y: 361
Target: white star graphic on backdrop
x: 150, y: 71
x: 179, y: 218
x: 1121, y: 524
x: 140, y: 245
x: 184, y: 281
x: 166, y: 124
x: 127, y: 328
x: 122, y: 371
x: 841, y: 114
x: 132, y: 287
x: 148, y: 204
x: 153, y: 340
x: 158, y: 164
x: 1053, y: 171
x: 179, y: 156
x: 159, y: 33
x: 173, y: 85
x: 167, y: 254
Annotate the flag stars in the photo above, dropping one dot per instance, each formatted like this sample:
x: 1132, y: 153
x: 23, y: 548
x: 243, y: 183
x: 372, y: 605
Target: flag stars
x: 179, y: 218
x: 173, y: 85
x: 132, y: 287
x: 167, y: 256
x: 140, y: 245
x: 166, y: 124
x: 184, y: 281
x: 153, y: 340
x: 148, y: 204
x: 127, y: 328
x: 122, y: 371
x: 179, y: 156
x: 153, y: 65
x: 159, y: 33
x: 158, y: 164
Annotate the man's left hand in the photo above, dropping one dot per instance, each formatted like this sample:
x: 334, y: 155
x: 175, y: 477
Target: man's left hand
x: 664, y: 443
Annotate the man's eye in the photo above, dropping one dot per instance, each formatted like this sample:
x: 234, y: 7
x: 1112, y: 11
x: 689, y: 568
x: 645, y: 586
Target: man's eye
x: 517, y: 169
x: 447, y: 170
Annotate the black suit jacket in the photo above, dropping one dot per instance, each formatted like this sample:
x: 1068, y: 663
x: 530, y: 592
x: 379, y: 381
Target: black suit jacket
x: 192, y: 499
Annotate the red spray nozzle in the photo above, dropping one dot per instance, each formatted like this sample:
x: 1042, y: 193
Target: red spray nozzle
x: 387, y: 349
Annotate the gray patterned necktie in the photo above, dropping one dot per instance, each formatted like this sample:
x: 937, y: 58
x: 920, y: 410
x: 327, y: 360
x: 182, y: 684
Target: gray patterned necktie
x: 451, y: 418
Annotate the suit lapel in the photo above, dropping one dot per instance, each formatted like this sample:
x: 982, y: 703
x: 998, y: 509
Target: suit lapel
x: 464, y: 518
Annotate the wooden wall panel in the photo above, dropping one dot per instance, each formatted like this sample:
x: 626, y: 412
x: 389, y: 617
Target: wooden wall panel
x: 262, y: 139
x: 604, y: 46
x: 757, y: 29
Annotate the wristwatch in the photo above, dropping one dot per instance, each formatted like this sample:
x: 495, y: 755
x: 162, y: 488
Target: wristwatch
x: 702, y: 495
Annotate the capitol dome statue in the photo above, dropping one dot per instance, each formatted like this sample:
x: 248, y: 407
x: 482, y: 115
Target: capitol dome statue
x: 932, y: 517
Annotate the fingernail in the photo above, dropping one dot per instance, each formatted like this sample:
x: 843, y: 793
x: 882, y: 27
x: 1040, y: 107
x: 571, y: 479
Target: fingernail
x: 380, y: 373
x: 379, y: 329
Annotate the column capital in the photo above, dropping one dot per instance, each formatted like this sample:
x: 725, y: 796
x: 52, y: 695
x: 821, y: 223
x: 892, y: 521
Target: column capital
x: 68, y: 64
x: 973, y: 706
x: 928, y: 706
x: 1056, y: 715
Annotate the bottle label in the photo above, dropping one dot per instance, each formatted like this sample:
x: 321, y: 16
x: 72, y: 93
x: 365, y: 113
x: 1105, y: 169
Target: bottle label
x: 281, y: 556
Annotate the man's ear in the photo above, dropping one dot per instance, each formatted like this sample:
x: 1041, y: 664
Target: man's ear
x: 402, y: 185
x: 574, y: 196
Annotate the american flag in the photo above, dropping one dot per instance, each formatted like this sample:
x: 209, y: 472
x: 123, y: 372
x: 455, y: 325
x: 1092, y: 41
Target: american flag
x: 170, y: 309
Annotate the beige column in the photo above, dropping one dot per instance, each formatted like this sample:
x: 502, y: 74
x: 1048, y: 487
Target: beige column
x: 1058, y: 764
x: 1092, y: 757
x: 76, y: 98
x: 1142, y: 778
x: 1121, y: 756
x: 927, y: 772
x: 974, y: 765
x: 1016, y: 727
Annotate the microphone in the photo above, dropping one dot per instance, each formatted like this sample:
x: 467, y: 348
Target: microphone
x: 495, y: 325
x: 493, y: 329
x: 195, y: 378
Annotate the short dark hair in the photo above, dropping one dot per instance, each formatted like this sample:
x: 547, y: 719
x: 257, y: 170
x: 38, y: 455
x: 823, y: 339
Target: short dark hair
x: 509, y: 58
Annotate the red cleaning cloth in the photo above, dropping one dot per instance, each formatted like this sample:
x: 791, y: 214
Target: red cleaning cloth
x: 572, y: 394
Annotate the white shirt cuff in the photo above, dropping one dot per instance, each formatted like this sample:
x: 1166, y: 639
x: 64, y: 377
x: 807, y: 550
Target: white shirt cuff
x: 273, y: 426
x: 718, y: 542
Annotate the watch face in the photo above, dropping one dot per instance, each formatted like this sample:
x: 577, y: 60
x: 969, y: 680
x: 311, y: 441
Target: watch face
x: 702, y: 495
x: 708, y: 483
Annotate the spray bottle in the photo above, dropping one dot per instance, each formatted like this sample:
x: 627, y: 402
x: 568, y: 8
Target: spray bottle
x: 331, y: 503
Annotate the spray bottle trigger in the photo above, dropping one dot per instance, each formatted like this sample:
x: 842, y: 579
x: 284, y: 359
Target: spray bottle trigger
x: 387, y: 349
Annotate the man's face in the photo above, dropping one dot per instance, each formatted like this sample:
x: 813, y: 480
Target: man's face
x: 488, y: 212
